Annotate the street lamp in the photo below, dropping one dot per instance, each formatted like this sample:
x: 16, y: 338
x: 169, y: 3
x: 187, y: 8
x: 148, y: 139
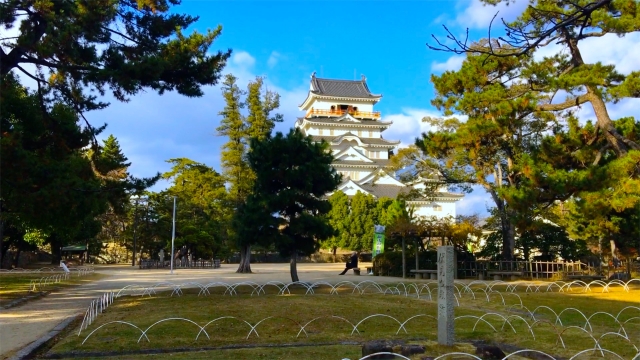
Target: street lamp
x: 173, y: 232
x: 135, y: 221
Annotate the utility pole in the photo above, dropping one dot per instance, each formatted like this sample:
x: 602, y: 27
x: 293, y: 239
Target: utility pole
x: 135, y: 221
x: 173, y: 232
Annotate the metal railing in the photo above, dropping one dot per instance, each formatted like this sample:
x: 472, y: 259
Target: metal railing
x: 179, y: 263
x: 354, y: 113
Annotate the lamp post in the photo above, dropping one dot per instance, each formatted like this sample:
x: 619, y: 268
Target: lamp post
x: 173, y: 232
x: 135, y: 221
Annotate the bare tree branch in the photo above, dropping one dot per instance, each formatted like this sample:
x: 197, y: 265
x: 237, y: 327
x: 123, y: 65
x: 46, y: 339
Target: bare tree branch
x: 523, y: 41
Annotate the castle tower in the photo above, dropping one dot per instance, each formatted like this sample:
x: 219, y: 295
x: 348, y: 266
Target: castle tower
x: 341, y: 113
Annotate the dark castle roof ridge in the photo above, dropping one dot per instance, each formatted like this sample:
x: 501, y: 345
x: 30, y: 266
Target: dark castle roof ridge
x: 342, y: 88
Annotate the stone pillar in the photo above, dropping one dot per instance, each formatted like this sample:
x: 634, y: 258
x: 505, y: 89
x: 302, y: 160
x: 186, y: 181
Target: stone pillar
x: 446, y: 269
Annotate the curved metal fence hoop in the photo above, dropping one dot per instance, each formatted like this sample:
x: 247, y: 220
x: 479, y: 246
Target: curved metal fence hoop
x: 457, y: 353
x: 611, y: 316
x: 475, y: 317
x: 414, y: 317
x: 628, y: 307
x: 546, y: 308
x: 620, y: 335
x: 302, y: 328
x: 596, y: 342
x: 535, y: 351
x: 385, y: 353
x: 603, y: 350
x: 377, y: 315
x: 518, y: 317
x: 115, y: 322
x: 221, y: 318
x: 579, y: 312
x: 171, y: 319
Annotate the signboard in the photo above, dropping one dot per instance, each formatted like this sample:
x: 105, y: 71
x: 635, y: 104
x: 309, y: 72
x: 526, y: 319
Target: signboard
x: 378, y: 240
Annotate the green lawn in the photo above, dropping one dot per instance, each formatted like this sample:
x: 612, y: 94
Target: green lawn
x: 281, y: 317
x: 16, y: 285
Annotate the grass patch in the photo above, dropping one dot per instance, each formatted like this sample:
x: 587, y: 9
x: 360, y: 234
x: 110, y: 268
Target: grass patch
x: 15, y: 286
x: 329, y: 319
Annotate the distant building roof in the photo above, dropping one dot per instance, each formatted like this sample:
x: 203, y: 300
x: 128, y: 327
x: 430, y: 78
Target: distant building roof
x: 341, y: 88
x: 383, y: 190
x: 361, y: 123
x: 365, y: 140
x: 347, y: 163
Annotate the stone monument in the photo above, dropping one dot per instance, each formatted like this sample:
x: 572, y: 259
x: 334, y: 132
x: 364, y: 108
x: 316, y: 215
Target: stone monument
x: 446, y: 267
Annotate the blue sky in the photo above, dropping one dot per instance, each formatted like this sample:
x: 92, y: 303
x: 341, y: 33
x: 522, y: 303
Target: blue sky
x: 287, y: 40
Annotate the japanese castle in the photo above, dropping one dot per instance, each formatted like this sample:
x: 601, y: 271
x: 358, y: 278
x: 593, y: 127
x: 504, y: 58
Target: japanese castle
x: 341, y: 113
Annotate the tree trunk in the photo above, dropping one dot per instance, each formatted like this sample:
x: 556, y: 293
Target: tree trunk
x: 55, y: 249
x: 506, y: 226
x: 293, y: 266
x: 245, y: 260
x: 508, y: 235
x: 619, y: 143
x: 1, y: 239
x: 334, y: 250
x: 16, y: 259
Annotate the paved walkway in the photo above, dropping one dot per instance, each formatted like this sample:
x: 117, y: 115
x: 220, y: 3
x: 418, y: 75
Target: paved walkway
x: 22, y: 325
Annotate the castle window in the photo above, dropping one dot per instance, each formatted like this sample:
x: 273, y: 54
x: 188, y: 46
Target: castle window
x: 370, y: 133
x: 437, y: 208
x: 331, y: 132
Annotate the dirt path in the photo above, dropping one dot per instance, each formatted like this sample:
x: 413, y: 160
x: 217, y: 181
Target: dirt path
x: 25, y: 324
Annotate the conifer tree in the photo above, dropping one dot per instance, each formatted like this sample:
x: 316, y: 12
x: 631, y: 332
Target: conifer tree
x: 293, y: 175
x: 549, y: 23
x: 240, y: 129
x: 122, y: 45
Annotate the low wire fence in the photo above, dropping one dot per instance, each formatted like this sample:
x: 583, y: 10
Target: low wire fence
x: 179, y: 263
x: 42, y: 283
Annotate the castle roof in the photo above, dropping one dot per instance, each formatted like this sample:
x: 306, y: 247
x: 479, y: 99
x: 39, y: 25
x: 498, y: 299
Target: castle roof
x: 356, y: 163
x: 341, y: 88
x: 335, y: 140
x: 336, y: 122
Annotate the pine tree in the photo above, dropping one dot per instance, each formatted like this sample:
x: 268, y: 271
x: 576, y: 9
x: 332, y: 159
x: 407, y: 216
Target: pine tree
x: 549, y: 23
x: 122, y: 45
x: 293, y: 175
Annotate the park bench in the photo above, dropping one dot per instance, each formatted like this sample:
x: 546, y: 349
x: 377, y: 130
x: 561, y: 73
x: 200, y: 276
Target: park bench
x: 585, y: 277
x: 422, y: 274
x: 356, y: 271
x: 497, y: 275
x: 369, y: 270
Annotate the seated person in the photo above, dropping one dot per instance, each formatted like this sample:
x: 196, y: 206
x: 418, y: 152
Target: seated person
x: 352, y: 263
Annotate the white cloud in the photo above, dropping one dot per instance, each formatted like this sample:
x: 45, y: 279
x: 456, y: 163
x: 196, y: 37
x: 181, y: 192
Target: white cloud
x: 273, y: 59
x: 610, y: 49
x: 453, y: 63
x: 407, y: 125
x: 476, y: 202
x: 152, y: 128
x: 243, y: 59
x: 478, y: 15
